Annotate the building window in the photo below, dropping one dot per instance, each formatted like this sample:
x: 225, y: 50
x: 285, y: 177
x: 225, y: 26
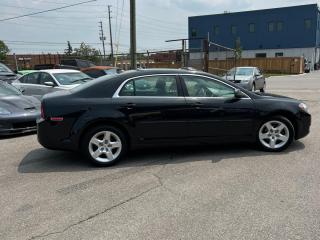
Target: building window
x: 193, y: 33
x: 261, y: 55
x: 307, y: 23
x: 270, y: 27
x: 252, y: 28
x: 233, y: 30
x: 279, y: 54
x: 280, y: 26
x: 216, y: 30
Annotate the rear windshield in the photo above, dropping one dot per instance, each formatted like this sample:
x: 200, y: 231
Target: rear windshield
x: 4, y: 68
x: 7, y: 90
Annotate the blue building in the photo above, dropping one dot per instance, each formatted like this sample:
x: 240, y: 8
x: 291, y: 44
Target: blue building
x: 289, y: 32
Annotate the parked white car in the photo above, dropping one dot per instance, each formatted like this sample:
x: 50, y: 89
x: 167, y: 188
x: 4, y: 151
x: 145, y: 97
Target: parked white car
x: 41, y: 82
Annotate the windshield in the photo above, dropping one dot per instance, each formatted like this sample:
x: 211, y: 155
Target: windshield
x: 111, y: 71
x: 70, y: 78
x: 7, y: 90
x: 244, y: 71
x: 4, y: 68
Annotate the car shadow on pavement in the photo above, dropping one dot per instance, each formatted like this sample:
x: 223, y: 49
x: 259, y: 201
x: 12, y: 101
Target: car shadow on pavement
x: 42, y: 160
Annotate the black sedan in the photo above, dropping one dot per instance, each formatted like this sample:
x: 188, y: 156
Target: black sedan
x: 18, y: 113
x: 107, y: 117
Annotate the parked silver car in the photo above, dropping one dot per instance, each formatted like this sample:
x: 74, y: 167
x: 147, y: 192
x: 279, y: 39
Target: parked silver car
x: 41, y: 82
x: 250, y: 78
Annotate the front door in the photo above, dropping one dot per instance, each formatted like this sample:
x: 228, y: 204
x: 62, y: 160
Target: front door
x: 154, y: 107
x: 214, y: 111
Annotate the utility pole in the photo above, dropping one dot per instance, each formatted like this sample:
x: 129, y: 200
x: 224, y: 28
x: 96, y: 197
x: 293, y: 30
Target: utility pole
x: 133, y: 34
x: 102, y: 38
x: 111, y: 39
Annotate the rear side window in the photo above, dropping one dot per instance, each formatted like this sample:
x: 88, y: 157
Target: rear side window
x: 154, y: 86
x: 31, y: 78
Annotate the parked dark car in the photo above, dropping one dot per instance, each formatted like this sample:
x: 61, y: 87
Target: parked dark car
x: 106, y: 117
x: 100, y: 71
x: 18, y: 113
x: 6, y: 74
x: 77, y: 64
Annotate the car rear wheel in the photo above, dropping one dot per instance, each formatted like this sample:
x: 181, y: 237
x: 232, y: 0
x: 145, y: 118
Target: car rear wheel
x: 104, y: 146
x: 276, y: 134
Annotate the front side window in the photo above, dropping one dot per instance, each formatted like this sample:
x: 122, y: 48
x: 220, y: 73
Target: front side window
x: 45, y: 77
x: 204, y: 87
x: 154, y: 86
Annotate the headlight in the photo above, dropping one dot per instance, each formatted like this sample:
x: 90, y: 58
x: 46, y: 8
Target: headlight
x: 4, y: 111
x: 304, y: 107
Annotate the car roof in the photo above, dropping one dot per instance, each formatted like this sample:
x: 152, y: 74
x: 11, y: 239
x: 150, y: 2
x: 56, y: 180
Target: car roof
x: 99, y: 68
x: 51, y: 71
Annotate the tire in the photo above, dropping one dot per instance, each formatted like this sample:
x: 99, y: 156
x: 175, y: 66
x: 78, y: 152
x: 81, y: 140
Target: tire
x: 108, y: 143
x: 279, y: 138
x: 262, y: 90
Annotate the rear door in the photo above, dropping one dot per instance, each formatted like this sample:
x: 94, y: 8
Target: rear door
x: 29, y: 84
x: 213, y: 110
x: 154, y: 106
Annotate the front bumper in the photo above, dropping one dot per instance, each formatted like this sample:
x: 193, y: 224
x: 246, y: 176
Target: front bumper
x: 303, y: 125
x: 17, y: 124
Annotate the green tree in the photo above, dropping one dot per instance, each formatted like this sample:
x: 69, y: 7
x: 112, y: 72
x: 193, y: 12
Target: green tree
x: 4, y: 50
x: 68, y: 51
x: 87, y: 52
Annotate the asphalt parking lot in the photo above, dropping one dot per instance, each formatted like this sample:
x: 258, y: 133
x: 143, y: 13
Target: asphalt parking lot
x: 215, y: 192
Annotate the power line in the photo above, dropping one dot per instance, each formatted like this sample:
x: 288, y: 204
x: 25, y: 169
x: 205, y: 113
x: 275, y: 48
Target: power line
x: 49, y: 10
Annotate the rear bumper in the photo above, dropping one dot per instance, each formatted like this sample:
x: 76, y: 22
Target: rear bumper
x: 303, y: 125
x: 55, y: 136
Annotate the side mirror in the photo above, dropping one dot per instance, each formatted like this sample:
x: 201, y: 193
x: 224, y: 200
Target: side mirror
x: 238, y: 93
x: 49, y: 84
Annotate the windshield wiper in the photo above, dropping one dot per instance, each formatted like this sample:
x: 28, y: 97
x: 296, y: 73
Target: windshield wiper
x: 81, y: 80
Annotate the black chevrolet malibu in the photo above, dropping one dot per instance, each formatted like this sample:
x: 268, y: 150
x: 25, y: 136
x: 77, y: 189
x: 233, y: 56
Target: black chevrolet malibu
x: 107, y: 117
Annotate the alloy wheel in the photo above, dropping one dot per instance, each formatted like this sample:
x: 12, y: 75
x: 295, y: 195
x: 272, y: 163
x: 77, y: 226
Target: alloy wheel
x: 105, y: 146
x: 274, y: 135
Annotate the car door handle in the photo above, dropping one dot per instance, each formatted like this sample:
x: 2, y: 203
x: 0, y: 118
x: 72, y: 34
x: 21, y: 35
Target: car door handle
x: 197, y: 104
x: 129, y: 106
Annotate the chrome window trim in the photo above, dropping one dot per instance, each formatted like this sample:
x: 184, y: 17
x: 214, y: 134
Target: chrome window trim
x: 116, y: 94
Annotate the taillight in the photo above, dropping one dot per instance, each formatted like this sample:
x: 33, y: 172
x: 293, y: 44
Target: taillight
x: 42, y: 112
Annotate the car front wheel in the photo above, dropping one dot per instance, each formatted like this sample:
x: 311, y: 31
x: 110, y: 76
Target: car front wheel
x: 276, y: 134
x: 104, y: 146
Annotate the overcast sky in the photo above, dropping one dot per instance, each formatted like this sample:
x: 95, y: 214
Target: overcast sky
x: 157, y: 21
